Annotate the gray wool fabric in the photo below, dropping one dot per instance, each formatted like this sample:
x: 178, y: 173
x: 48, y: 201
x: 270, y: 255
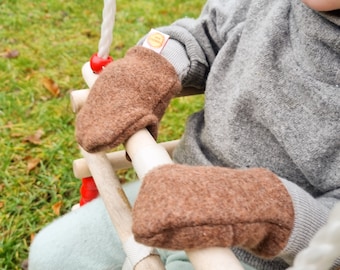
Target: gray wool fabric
x: 271, y: 74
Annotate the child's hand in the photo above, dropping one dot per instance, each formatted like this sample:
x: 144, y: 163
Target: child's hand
x: 130, y: 94
x: 182, y: 207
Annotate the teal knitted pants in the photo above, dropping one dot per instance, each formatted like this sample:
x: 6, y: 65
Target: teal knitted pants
x: 85, y: 239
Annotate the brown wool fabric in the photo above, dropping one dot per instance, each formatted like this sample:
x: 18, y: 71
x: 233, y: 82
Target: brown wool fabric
x: 130, y: 94
x: 184, y: 207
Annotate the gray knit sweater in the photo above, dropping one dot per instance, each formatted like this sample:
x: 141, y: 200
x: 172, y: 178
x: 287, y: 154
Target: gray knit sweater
x: 271, y: 74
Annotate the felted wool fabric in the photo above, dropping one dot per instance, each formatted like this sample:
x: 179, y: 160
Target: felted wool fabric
x: 205, y: 206
x: 130, y: 94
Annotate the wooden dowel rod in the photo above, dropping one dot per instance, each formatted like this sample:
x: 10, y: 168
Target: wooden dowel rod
x: 110, y: 190
x: 117, y: 160
x: 146, y: 154
x: 78, y: 98
x: 216, y: 258
x: 89, y: 76
x: 116, y: 203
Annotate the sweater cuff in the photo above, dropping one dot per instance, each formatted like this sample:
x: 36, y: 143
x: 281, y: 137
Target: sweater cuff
x: 191, y: 72
x: 310, y: 216
x: 175, y: 53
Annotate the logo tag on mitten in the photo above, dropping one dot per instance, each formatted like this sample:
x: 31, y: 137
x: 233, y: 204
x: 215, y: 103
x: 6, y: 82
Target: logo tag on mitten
x: 156, y: 40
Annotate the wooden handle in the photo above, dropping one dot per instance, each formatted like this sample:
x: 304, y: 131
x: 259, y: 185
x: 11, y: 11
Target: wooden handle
x: 216, y: 258
x: 111, y: 191
x: 146, y: 154
x: 116, y: 203
x: 117, y: 160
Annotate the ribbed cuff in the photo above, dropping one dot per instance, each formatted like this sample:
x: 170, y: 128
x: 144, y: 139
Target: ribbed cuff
x: 310, y: 216
x: 259, y: 263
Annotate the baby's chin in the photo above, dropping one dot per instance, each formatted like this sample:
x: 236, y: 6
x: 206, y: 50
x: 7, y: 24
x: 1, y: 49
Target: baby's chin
x: 323, y: 5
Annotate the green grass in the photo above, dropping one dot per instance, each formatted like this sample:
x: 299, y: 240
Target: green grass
x: 53, y: 39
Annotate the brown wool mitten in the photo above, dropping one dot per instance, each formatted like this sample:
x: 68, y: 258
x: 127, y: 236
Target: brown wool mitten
x: 185, y: 207
x: 130, y: 94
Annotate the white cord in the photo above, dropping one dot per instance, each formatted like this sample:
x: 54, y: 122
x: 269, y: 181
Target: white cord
x: 324, y: 248
x: 136, y: 252
x: 109, y: 13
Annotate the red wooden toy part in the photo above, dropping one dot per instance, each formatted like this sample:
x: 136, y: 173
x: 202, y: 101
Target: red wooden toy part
x: 97, y: 63
x: 88, y: 190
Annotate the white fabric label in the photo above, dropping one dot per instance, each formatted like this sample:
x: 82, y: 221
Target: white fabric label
x: 156, y: 40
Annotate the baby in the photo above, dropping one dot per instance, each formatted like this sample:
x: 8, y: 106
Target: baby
x: 257, y: 170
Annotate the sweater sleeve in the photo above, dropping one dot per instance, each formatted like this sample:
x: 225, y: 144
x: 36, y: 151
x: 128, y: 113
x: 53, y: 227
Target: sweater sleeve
x: 195, y: 43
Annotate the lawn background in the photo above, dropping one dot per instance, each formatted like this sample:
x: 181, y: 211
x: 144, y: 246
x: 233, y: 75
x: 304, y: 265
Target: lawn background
x: 43, y: 45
